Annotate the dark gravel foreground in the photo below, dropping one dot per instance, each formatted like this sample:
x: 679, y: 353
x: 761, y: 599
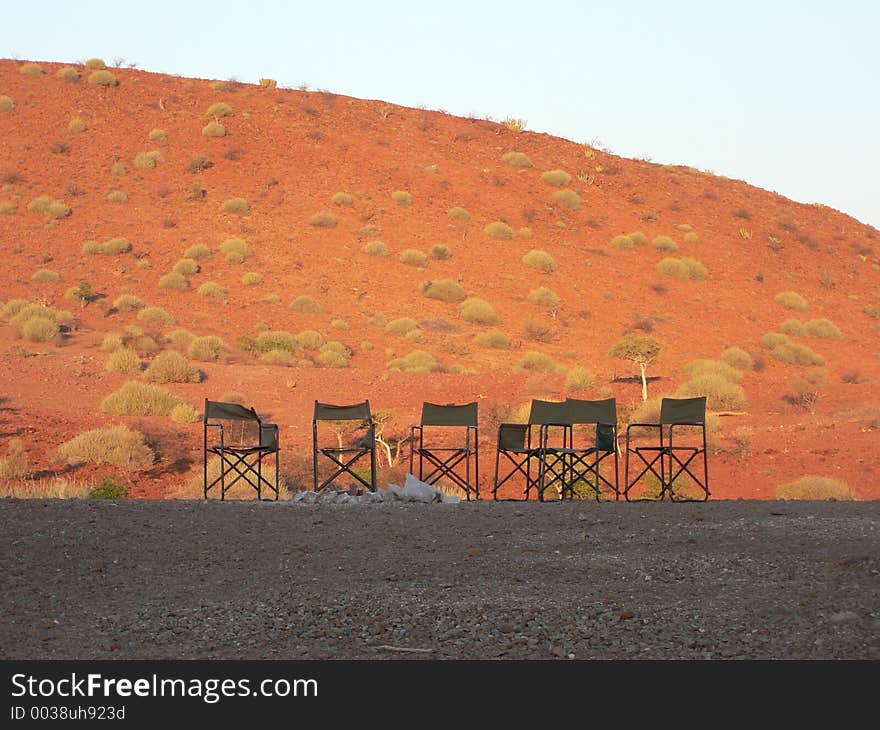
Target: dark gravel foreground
x: 139, y: 579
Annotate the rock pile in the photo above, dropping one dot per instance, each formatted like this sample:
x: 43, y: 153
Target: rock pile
x: 413, y: 490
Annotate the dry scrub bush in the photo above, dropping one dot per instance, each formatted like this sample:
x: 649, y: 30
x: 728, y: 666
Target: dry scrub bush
x: 569, y: 198
x: 197, y: 251
x: 6, y: 208
x: 305, y: 304
x: 158, y: 135
x: 220, y: 109
x: 6, y: 104
x: 174, y: 281
x: 377, y: 248
x: 556, y: 178
x: 206, y: 349
x: 440, y: 252
x: 117, y: 446
x: 402, y: 197
x: 417, y: 361
x: 815, y: 487
x: 111, y: 342
x: 334, y: 355
x: 41, y: 329
x: 796, y: 354
x: 33, y: 70
x: 117, y: 169
x: 155, y: 315
x: 310, y: 340
x: 721, y: 394
x: 49, y: 207
x: 478, y: 311
x: 499, y: 229
x: 538, y: 330
x: 69, y: 74
x: 212, y: 289
x: 823, y: 328
x: 251, y: 278
x: 140, y: 399
x: 805, y: 388
x: 171, y: 367
x: 445, y: 290
x: 214, y: 129
x: 283, y: 358
x: 113, y: 247
x: 340, y: 324
x: 276, y: 340
x: 544, y: 297
x: 416, y: 336
x: 186, y: 267
x: 622, y: 243
x: 793, y: 328
x: 713, y: 367
x: 492, y: 340
x: 664, y: 243
x: 147, y: 160
x: 684, y: 268
x: 638, y: 238
x: 324, y: 219
x: 459, y: 214
x: 116, y: 196
x: 401, y: 325
x: 181, y: 337
x: 579, y: 379
x: 691, y: 237
x: 738, y: 358
x: 184, y: 413
x: 268, y: 83
x: 342, y: 199
x: 236, y: 250
x: 414, y: 257
x: 792, y: 300
x: 517, y: 159
x: 95, y: 64
x: 124, y: 360
x: 76, y: 126
x: 15, y: 464
x: 538, y: 362
x: 540, y: 260
x: 236, y: 206
x: 46, y: 276
x: 773, y: 339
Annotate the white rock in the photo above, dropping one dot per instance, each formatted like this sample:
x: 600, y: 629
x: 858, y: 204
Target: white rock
x: 306, y: 497
x: 450, y: 499
x: 343, y: 498
x: 397, y: 491
x: 386, y: 495
x: 419, y: 491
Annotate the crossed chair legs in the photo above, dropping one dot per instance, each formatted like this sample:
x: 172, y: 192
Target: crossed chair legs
x: 674, y: 463
x: 236, y: 460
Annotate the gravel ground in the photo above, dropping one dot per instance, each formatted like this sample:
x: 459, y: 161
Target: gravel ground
x: 142, y: 579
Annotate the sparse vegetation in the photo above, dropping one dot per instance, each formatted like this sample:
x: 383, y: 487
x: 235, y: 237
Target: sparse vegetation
x: 805, y: 388
x: 640, y: 349
x: 148, y: 160
x: 440, y: 252
x: 124, y: 360
x: 738, y: 358
x: 458, y: 213
x: 235, y: 250
x: 198, y: 251
x: 113, y: 247
x: 116, y: 196
x: 492, y: 340
x: 69, y: 74
x: 478, y: 311
x: 212, y: 289
x: 214, y: 129
x: 236, y: 206
x: 816, y: 488
x: 556, y: 178
x: 720, y: 368
x: 376, y: 248
x: 544, y: 297
x: 305, y: 304
x: 538, y: 362
x: 33, y: 70
x: 46, y: 276
x: 140, y: 399
x: 117, y: 169
x: 664, y: 243
x: 417, y: 361
x: 184, y: 413
x: 206, y: 349
x: 103, y: 78
x: 540, y: 260
x: 414, y: 257
x: 796, y: 354
x: 251, y: 278
x: 721, y: 394
x: 311, y: 340
x: 446, y: 290
x: 158, y: 135
x: 401, y: 325
x: 402, y: 197
x: 15, y: 465
x: 220, y: 109
x: 155, y: 315
x: 171, y: 367
x: 499, y: 229
x: 343, y: 199
x: 569, y: 198
x: 638, y: 238
x: 174, y: 281
x: 76, y: 126
x: 823, y: 328
x: 6, y: 104
x: 579, y: 379
x: 517, y: 159
x: 116, y: 446
x: 324, y: 219
x: 95, y: 64
x: 622, y: 243
x: 187, y: 267
x: 683, y: 268
x: 50, y: 207
x: 792, y: 300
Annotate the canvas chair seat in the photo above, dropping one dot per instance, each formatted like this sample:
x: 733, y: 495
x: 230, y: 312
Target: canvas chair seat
x: 666, y: 460
x: 244, y: 442
x: 447, y: 461
x: 343, y: 460
x: 584, y: 457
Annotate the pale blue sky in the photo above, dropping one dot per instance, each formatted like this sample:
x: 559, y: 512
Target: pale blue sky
x: 784, y: 95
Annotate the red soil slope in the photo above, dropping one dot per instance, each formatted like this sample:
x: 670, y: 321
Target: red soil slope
x: 287, y: 152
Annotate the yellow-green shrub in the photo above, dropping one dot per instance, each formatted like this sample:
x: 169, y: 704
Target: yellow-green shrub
x: 721, y: 394
x: 556, y: 178
x: 49, y: 207
x: 140, y: 399
x: 46, y: 276
x: 569, y: 198
x: 493, y: 340
x: 124, y: 360
x: 206, y: 349
x: 212, y: 289
x: 401, y: 325
x: 174, y: 281
x: 517, y: 159
x: 171, y: 367
x: 738, y: 358
x: 445, y: 290
x: 545, y: 297
x: 796, y: 354
x: 31, y: 69
x: 305, y: 304
x: 579, y: 379
x: 824, y: 328
x: 815, y: 487
x: 538, y: 362
x: 155, y: 315
x: 458, y: 213
x: 76, y: 126
x: 402, y: 197
x: 377, y: 248
x: 499, y: 229
x: 342, y: 199
x: 540, y: 260
x: 792, y: 300
x: 184, y: 413
x: 237, y: 206
x: 220, y: 109
x: 158, y: 135
x: 417, y: 361
x: 664, y: 243
x: 413, y: 257
x: 478, y: 311
x: 186, y: 267
x: 214, y: 129
x: 310, y: 340
x: 236, y: 250
x: 116, y: 445
x: 622, y: 243
x: 148, y: 160
x: 440, y: 252
x: 198, y: 251
x: 251, y: 278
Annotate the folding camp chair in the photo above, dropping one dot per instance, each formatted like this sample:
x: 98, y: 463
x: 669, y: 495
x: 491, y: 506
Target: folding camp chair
x: 244, y: 443
x: 444, y: 458
x: 584, y: 455
x: 344, y: 458
x: 524, y: 445
x: 674, y: 458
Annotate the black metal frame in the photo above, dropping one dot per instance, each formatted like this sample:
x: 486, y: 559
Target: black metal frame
x: 672, y: 465
x: 344, y: 458
x: 515, y: 444
x: 450, y: 415
x: 579, y: 464
x: 234, y: 459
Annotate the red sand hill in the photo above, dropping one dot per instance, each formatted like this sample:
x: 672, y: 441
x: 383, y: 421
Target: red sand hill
x: 289, y: 152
